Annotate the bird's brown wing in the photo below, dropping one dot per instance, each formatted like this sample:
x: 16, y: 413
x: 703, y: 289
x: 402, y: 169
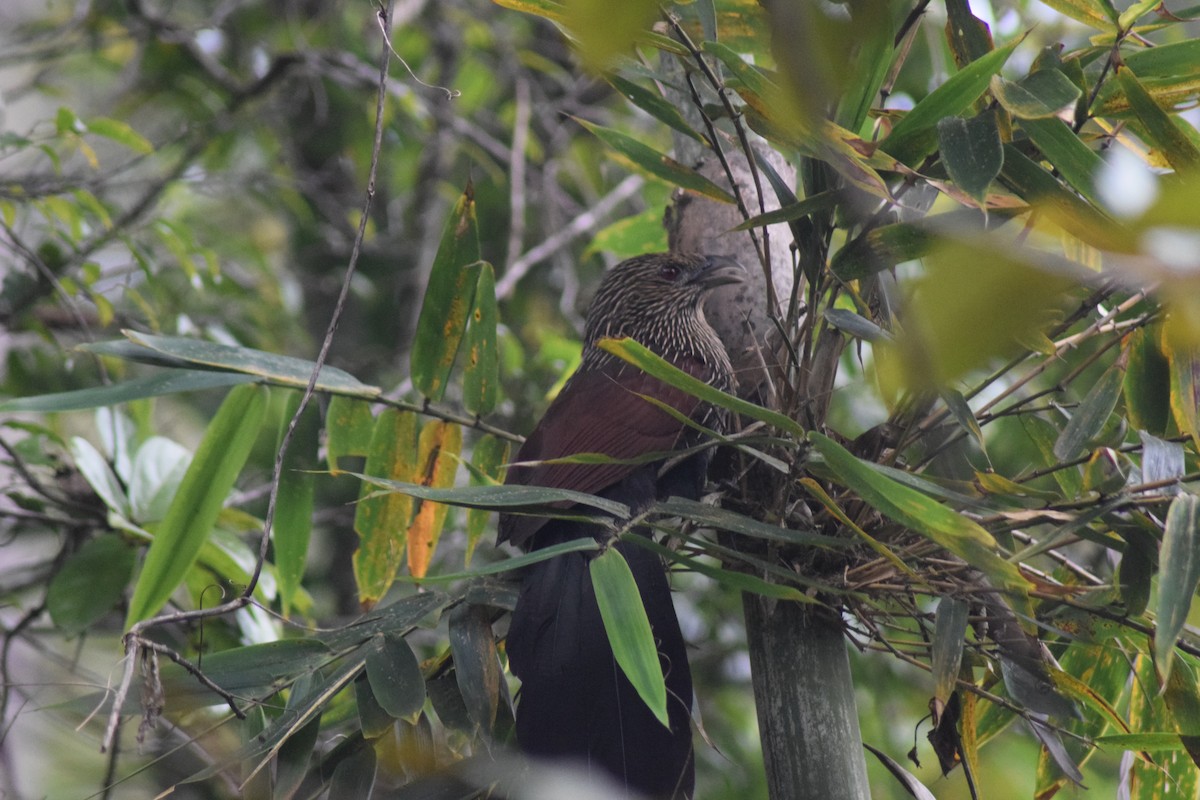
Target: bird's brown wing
x: 598, y: 411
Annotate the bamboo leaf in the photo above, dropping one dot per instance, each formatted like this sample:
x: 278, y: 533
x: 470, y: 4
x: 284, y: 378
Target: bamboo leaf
x: 1089, y: 12
x: 448, y: 300
x: 913, y: 137
x: 1179, y: 574
x: 1039, y: 95
x: 120, y: 132
x: 487, y: 458
x: 535, y: 500
x: 1147, y: 386
x: 90, y: 583
x: 382, y: 520
x: 1161, y: 129
x: 645, y: 159
x: 944, y: 526
x: 655, y: 105
x: 272, y: 367
x: 1091, y: 415
x: 628, y: 629
x: 348, y: 429
x: 642, y: 358
x: 547, y: 9
x: 1077, y: 162
x: 949, y: 640
x: 1185, y: 389
x: 395, y: 676
x: 971, y: 151
x: 481, y: 378
x: 171, y: 382
x: 218, y: 461
x: 294, y: 506
x: 437, y: 454
x: 476, y: 664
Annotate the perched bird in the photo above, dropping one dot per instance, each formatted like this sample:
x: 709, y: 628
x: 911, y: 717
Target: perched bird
x: 575, y: 702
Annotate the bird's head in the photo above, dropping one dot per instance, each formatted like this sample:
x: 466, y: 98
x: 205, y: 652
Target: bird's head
x: 657, y: 298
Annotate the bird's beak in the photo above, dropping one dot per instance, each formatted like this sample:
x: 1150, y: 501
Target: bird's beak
x: 719, y: 271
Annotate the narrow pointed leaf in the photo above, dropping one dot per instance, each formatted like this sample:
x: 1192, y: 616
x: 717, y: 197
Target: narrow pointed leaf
x: 294, y: 506
x: 395, y: 676
x: 1162, y: 130
x: 476, y: 664
x: 437, y: 456
x: 641, y: 357
x: 629, y: 630
x: 913, y: 137
x: 533, y: 499
x: 349, y: 426
x: 646, y: 159
x: 218, y: 461
x: 1077, y: 162
x: 1147, y: 386
x: 1042, y: 94
x: 1185, y: 390
x: 382, y: 520
x: 487, y: 458
x: 447, y: 304
x: 171, y: 382
x: 944, y: 526
x: 272, y: 367
x: 1179, y: 564
x: 655, y: 105
x: 971, y: 151
x: 481, y: 378
x: 949, y: 639
x: 1091, y: 415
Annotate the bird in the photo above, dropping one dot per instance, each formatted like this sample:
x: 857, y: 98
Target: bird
x: 575, y: 704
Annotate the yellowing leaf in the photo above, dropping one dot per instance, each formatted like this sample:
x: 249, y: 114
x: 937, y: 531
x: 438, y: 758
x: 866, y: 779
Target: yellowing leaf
x: 437, y: 453
x: 381, y: 520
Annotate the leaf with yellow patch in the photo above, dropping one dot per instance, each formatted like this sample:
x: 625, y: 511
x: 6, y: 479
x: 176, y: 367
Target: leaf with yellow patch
x: 437, y: 454
x: 382, y: 519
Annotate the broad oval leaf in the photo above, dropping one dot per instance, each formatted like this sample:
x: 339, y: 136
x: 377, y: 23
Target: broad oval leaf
x: 349, y: 426
x: 1045, y: 93
x: 190, y: 519
x: 628, y: 629
x: 476, y: 664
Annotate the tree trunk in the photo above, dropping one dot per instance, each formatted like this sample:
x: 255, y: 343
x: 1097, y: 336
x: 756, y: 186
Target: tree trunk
x: 807, y: 717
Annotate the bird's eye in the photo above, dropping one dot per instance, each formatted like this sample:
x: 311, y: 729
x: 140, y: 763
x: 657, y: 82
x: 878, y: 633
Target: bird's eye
x: 669, y: 272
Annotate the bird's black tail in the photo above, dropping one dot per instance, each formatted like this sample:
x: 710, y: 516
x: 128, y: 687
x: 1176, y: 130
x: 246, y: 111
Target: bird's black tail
x: 576, y: 704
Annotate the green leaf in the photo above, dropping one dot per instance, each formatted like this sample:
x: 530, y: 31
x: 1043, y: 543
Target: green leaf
x: 348, y: 429
x: 136, y: 389
x: 284, y: 370
x: 822, y: 201
x: 1162, y: 131
x: 1040, y: 95
x: 1147, y: 384
x: 1149, y: 740
x: 913, y: 136
x: 381, y: 521
x: 395, y: 676
x: 1091, y: 415
x: 1044, y: 435
x: 636, y: 155
x: 1185, y: 388
x: 1077, y: 162
x: 1179, y: 575
x: 547, y: 9
x: 354, y: 775
x: 294, y: 505
x: 607, y: 29
x: 726, y: 520
x: 882, y: 248
x: 1089, y: 12
x: 1177, y: 58
x: 628, y: 629
x: 481, y: 378
x: 99, y: 475
x: 949, y: 640
x: 90, y: 583
x: 117, y: 131
x: 487, y: 458
x: 944, y: 526
x: 655, y: 105
x: 971, y: 151
x: 218, y: 461
x: 447, y: 304
x: 535, y: 500
x: 641, y: 357
x: 476, y: 664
